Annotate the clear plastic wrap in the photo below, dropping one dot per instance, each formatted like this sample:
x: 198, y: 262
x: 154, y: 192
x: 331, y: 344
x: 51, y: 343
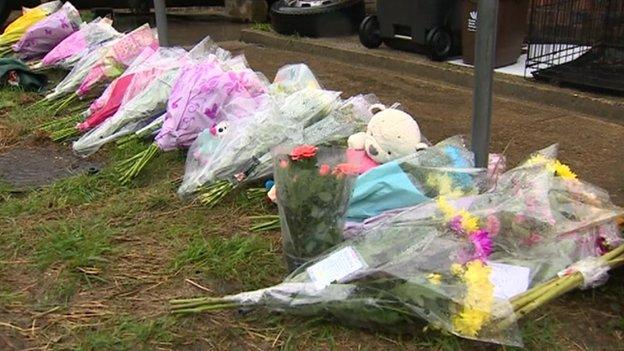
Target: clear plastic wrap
x: 445, y: 169
x: 144, y: 70
x: 20, y: 26
x: 314, y: 186
x: 43, y: 36
x: 456, y: 264
x: 199, y: 96
x: 118, y: 56
x: 247, y: 140
x: 150, y: 101
x: 72, y: 80
x: 75, y: 46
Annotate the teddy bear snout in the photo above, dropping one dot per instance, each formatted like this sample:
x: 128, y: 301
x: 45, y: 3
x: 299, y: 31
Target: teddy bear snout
x: 372, y: 150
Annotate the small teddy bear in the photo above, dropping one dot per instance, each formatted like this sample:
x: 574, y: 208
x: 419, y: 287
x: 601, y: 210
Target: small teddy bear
x: 390, y: 134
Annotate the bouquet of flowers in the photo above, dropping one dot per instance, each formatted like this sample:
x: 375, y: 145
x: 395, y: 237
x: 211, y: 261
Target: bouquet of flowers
x: 215, y: 166
x: 145, y: 68
x: 102, y: 64
x: 197, y: 103
x: 314, y: 186
x: 18, y: 28
x: 68, y: 52
x: 461, y: 265
x: 150, y: 100
x: 445, y: 169
x: 48, y: 33
x: 214, y: 158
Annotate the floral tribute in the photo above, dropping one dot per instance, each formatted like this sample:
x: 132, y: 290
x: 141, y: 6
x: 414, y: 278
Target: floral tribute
x: 313, y: 190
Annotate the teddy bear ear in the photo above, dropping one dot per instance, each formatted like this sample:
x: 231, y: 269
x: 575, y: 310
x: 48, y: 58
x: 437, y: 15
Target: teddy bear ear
x: 376, y: 108
x: 421, y: 146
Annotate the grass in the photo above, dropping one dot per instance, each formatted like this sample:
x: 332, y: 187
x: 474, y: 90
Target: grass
x: 127, y: 333
x: 91, y: 263
x: 248, y: 260
x: 265, y: 27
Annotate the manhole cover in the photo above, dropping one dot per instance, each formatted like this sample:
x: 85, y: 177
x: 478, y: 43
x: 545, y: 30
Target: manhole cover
x: 26, y: 167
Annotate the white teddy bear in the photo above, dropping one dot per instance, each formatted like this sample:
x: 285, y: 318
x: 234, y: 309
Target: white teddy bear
x: 390, y: 134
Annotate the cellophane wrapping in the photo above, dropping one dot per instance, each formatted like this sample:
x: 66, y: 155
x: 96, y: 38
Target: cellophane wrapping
x: 67, y: 53
x: 43, y: 36
x: 445, y: 169
x: 117, y: 57
x: 152, y: 100
x: 200, y: 95
x: 248, y: 141
x: 143, y: 71
x: 446, y: 262
x: 16, y: 30
x: 314, y: 187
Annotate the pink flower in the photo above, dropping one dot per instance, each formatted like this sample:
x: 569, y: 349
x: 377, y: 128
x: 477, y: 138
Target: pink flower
x: 482, y: 243
x: 324, y: 170
x: 532, y: 239
x: 492, y: 225
x: 520, y: 218
x: 303, y: 152
x: 346, y: 169
x: 456, y: 224
x: 283, y: 163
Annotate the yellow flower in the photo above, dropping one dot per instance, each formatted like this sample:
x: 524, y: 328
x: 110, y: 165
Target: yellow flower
x: 444, y: 185
x: 564, y: 171
x: 434, y: 278
x: 478, y: 301
x: 469, y: 222
x: 469, y: 321
x: 457, y: 269
x: 446, y: 208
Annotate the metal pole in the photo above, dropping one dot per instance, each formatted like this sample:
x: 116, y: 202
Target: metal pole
x: 161, y: 22
x: 487, y: 15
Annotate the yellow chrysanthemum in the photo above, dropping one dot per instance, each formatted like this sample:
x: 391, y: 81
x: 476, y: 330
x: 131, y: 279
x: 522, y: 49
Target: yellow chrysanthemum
x: 563, y: 171
x: 469, y: 222
x: 457, y: 269
x: 446, y: 208
x: 478, y: 301
x: 469, y: 321
x: 444, y: 185
x: 434, y: 278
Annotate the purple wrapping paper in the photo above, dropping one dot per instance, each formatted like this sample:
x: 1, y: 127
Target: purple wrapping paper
x: 42, y: 37
x: 199, y: 96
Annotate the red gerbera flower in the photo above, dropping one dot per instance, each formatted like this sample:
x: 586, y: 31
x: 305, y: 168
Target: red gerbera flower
x: 303, y: 152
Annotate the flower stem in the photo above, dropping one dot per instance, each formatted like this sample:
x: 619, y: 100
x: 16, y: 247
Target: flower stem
x: 132, y: 167
x: 206, y: 308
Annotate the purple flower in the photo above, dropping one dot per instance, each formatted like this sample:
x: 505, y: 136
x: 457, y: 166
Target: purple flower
x: 482, y: 243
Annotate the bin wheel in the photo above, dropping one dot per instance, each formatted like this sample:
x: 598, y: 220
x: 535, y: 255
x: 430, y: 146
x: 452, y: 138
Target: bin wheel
x: 369, y: 33
x: 317, y: 18
x: 439, y: 42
